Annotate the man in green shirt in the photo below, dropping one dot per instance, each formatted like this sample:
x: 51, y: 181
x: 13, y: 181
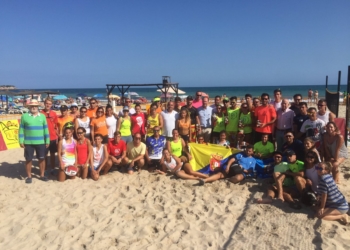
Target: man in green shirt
x: 263, y: 149
x: 34, y: 136
x: 233, y: 119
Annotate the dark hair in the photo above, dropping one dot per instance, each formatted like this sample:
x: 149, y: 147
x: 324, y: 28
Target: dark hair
x: 233, y: 98
x: 66, y: 128
x: 81, y: 128
x: 312, y: 108
x: 108, y: 106
x: 264, y: 94
x: 314, y: 155
x: 92, y: 99
x: 222, y: 132
x: 177, y: 99
x: 98, y: 135
x: 217, y: 97
x: 296, y: 95
x: 248, y: 95
x: 323, y: 100
x: 277, y: 153
x: 249, y: 147
x: 256, y: 98
x: 100, y: 108
x: 264, y: 135
x: 83, y: 107
x: 289, y: 131
x: 137, y: 105
x: 302, y: 103
x: 117, y: 133
x: 277, y: 90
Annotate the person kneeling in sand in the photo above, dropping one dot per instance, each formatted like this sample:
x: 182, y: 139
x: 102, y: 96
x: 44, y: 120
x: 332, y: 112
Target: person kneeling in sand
x: 135, y: 152
x: 238, y: 168
x: 99, y: 158
x: 175, y: 166
x: 288, y: 192
x: 333, y: 205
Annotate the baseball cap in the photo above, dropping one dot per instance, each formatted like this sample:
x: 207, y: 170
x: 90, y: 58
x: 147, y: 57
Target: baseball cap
x: 290, y: 153
x: 63, y: 108
x: 74, y: 105
x: 225, y: 99
x: 156, y: 99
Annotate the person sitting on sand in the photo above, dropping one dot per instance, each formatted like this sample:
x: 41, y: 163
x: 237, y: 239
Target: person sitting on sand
x: 135, y: 152
x: 177, y: 147
x: 84, y: 151
x: 117, y: 151
x: 154, y: 149
x: 200, y: 139
x: 263, y: 149
x: 288, y: 192
x: 309, y: 145
x: 99, y: 158
x: 293, y: 144
x: 67, y: 153
x: 175, y: 166
x: 222, y: 140
x: 238, y: 168
x: 333, y: 205
x: 312, y: 178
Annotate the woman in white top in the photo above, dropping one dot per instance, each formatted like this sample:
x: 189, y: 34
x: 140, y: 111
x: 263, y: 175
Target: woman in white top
x: 83, y: 121
x: 175, y: 166
x: 99, y: 158
x: 66, y: 153
x: 324, y: 114
x: 111, y: 121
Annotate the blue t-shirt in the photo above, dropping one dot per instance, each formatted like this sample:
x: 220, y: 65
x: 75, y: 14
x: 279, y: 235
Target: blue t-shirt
x: 155, y: 147
x: 247, y: 163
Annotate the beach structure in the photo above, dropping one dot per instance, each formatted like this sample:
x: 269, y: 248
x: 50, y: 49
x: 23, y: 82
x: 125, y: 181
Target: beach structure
x: 165, y: 87
x: 347, y: 118
x: 333, y: 97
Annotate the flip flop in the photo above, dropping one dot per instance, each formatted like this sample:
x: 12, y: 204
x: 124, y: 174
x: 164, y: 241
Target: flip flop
x: 201, y: 182
x: 29, y: 180
x: 44, y: 178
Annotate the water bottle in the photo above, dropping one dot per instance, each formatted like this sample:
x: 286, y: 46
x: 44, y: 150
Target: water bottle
x: 258, y: 123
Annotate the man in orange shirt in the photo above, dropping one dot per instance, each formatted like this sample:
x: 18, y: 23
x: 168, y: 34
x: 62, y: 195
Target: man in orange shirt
x: 91, y: 112
x: 265, y: 117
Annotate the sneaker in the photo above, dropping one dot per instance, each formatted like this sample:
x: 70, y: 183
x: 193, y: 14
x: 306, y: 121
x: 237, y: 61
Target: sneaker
x: 29, y: 180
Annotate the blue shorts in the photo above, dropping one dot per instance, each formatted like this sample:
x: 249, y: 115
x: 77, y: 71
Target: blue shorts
x: 40, y: 151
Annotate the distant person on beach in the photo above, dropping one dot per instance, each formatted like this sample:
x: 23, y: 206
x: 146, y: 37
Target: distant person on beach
x: 277, y: 103
x: 324, y: 114
x: 239, y: 167
x: 233, y: 113
x: 154, y: 149
x: 98, y: 125
x: 300, y: 118
x: 316, y: 96
x: 99, y: 158
x: 83, y: 121
x: 128, y: 103
x: 116, y: 151
x: 111, y: 122
x: 284, y: 123
x: 51, y: 119
x: 169, y: 118
x: 91, y: 112
x: 64, y: 120
x: 334, y: 149
x: 333, y: 205
x: 135, y: 153
x: 74, y: 110
x: 205, y: 118
x: 67, y: 154
x: 124, y: 125
x: 84, y: 151
x: 194, y: 117
x: 34, y: 136
x: 295, y: 106
x: 154, y: 119
x: 265, y: 117
x: 197, y: 102
x: 309, y: 96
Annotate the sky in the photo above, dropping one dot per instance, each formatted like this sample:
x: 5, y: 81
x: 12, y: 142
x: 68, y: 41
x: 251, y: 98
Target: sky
x: 88, y: 44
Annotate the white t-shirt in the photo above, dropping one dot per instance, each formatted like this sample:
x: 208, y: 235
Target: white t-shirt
x: 313, y: 129
x: 169, y: 122
x: 276, y: 105
x: 111, y: 125
x: 171, y: 165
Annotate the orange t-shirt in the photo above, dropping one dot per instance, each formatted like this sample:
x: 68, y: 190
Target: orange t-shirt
x: 91, y: 112
x: 158, y: 110
x: 62, y: 121
x: 100, y: 125
x: 265, y: 115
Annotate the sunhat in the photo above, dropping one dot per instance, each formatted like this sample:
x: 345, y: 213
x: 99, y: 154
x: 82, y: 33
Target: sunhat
x: 33, y: 102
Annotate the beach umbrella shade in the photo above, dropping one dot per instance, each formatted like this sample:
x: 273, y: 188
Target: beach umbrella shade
x: 81, y: 95
x: 133, y: 93
x: 60, y: 97
x: 99, y: 95
x: 114, y: 96
x: 170, y: 90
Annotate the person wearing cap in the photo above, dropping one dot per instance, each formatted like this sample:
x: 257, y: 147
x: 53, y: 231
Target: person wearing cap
x: 64, y: 120
x: 194, y: 117
x: 197, y: 102
x: 124, y: 125
x: 128, y: 103
x: 74, y: 110
x: 51, y: 119
x: 156, y: 102
x: 34, y: 136
x: 91, y: 112
x: 226, y: 105
x: 293, y: 144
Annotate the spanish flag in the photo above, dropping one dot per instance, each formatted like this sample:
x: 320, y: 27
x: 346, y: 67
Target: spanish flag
x: 209, y: 158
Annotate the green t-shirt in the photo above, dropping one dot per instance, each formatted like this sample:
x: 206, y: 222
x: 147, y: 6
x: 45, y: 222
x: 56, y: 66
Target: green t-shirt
x: 220, y: 124
x: 281, y: 168
x: 233, y: 119
x: 265, y: 150
x: 296, y: 166
x: 246, y: 120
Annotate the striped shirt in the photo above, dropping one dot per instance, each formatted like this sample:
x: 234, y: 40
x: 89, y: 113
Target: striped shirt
x: 33, y: 129
x: 335, y: 199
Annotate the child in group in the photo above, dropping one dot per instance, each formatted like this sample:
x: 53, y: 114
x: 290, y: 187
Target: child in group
x: 309, y: 145
x: 222, y: 140
x: 67, y: 153
x: 200, y: 139
x: 333, y: 205
x: 311, y: 175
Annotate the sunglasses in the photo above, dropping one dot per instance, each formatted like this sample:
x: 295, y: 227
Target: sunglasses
x: 318, y: 168
x: 288, y: 135
x: 99, y: 112
x: 127, y: 101
x: 82, y: 111
x: 278, y: 157
x: 92, y: 102
x: 156, y: 130
x: 320, y: 105
x: 137, y: 138
x: 310, y: 156
x: 264, y: 98
x: 233, y: 102
x: 80, y: 133
x: 198, y: 95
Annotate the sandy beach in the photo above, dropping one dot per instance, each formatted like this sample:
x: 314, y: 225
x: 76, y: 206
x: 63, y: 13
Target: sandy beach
x: 146, y: 211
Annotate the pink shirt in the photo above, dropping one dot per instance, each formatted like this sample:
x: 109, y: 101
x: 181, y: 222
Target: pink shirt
x: 197, y: 104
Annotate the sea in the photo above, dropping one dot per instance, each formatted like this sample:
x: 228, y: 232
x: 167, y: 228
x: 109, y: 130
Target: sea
x: 239, y: 91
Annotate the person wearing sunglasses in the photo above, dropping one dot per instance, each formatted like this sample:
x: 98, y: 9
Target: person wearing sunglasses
x: 127, y: 103
x: 98, y: 125
x: 295, y: 106
x: 84, y: 151
x: 324, y: 114
x: 333, y: 205
x: 282, y: 189
x: 264, y: 118
x: 51, y: 119
x: 83, y: 121
x: 311, y: 176
x: 135, y: 153
x: 91, y: 112
x: 154, y: 149
x: 197, y: 102
x: 291, y: 143
x: 64, y: 120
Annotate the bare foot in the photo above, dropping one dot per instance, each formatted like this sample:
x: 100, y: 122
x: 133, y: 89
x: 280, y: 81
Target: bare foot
x: 280, y: 198
x: 345, y: 219
x: 263, y: 201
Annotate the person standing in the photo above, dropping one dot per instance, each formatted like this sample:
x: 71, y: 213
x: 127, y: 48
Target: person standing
x: 265, y: 117
x: 64, y: 120
x: 51, y: 119
x: 34, y: 136
x: 198, y: 100
x: 277, y: 103
x: 309, y: 96
x: 169, y: 117
x: 194, y: 117
x: 154, y: 119
x: 124, y: 125
x: 233, y: 114
x: 300, y: 118
x: 284, y: 123
x: 324, y: 114
x: 98, y: 125
x: 74, y: 110
x: 205, y: 118
x: 111, y: 121
x: 91, y: 112
x: 83, y: 122
x: 128, y: 103
x: 138, y: 121
x: 295, y: 106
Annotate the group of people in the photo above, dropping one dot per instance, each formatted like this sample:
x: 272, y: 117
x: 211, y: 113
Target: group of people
x: 300, y: 146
